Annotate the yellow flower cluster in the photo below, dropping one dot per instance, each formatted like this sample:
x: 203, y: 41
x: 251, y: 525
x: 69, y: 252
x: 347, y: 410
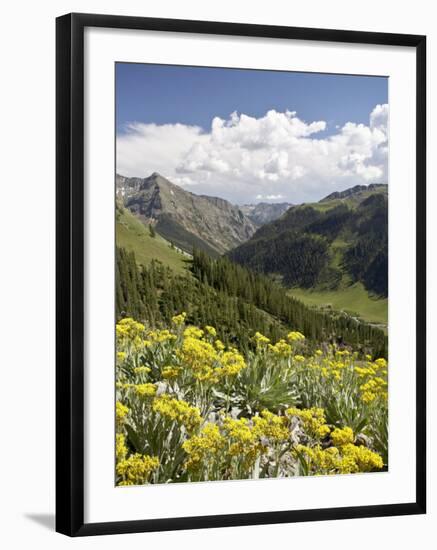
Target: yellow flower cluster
x: 203, y: 447
x: 208, y: 362
x: 145, y: 390
x: 193, y: 332
x: 129, y: 328
x: 211, y: 330
x: 244, y: 441
x: 295, y: 336
x: 121, y: 411
x: 318, y: 460
x: 200, y: 356
x: 219, y: 345
x: 249, y: 438
x: 231, y: 362
x: 260, y: 339
x: 372, y: 388
x: 179, y: 320
x: 348, y: 459
x: 360, y: 459
x: 344, y: 457
x: 120, y: 447
x: 178, y: 410
x: 142, y: 370
x: 281, y: 348
x: 313, y: 420
x: 136, y: 469
x: 171, y: 372
x: 374, y: 380
x: 159, y: 336
x: 271, y: 426
x: 342, y: 436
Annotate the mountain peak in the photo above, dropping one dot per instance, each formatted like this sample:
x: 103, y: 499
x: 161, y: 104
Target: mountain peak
x: 357, y: 190
x: 265, y: 212
x: 188, y: 220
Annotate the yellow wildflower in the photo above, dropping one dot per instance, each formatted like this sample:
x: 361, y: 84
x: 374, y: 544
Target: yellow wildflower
x: 136, y: 469
x: 295, y: 336
x: 368, y: 397
x: 171, y: 372
x: 231, y: 364
x: 179, y: 320
x: 342, y: 437
x: 193, y: 332
x: 142, y: 370
x: 178, y: 410
x: 202, y: 448
x: 121, y: 411
x: 129, y: 330
x: 360, y: 459
x: 313, y: 420
x: 381, y: 363
x: 145, y: 390
x: 120, y: 447
x: 219, y: 345
x: 200, y: 356
x: 281, y: 348
x: 160, y: 336
x: 260, y: 339
x: 271, y: 426
x: 211, y: 330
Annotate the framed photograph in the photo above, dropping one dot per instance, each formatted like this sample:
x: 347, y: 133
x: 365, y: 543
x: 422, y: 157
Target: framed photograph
x: 240, y: 274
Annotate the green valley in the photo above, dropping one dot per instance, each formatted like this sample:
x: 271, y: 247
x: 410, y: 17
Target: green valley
x: 353, y: 299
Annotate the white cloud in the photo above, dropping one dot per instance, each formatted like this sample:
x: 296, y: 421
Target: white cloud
x: 269, y: 197
x: 274, y: 156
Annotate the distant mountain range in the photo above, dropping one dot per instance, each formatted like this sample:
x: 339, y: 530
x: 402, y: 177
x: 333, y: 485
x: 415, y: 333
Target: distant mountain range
x: 337, y: 241
x: 187, y: 220
x: 264, y: 212
x: 341, y: 239
x: 192, y: 221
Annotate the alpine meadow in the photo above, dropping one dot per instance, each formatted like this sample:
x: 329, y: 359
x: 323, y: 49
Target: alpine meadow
x: 251, y: 274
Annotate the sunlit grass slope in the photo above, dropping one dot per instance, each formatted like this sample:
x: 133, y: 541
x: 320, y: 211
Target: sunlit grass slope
x: 133, y: 235
x: 352, y: 299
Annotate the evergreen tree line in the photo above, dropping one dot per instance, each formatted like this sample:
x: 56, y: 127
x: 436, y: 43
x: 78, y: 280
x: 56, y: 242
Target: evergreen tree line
x: 233, y: 299
x: 269, y: 296
x: 154, y: 294
x: 367, y: 260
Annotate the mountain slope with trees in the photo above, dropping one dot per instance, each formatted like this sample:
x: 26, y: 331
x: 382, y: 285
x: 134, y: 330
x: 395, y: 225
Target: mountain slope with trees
x: 341, y: 240
x: 238, y: 302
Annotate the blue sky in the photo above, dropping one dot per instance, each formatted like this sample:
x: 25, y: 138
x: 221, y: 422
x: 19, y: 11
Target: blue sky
x: 194, y: 95
x: 161, y: 107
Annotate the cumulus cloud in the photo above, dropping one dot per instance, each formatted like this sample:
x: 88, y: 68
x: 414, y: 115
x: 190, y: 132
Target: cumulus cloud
x: 276, y: 156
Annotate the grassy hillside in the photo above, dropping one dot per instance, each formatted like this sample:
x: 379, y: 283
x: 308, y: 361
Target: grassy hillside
x: 133, y: 235
x: 353, y: 299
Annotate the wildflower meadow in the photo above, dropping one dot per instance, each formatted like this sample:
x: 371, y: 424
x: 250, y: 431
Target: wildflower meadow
x: 190, y: 408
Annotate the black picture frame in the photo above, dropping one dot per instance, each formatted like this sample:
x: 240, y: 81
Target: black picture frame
x: 70, y: 273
